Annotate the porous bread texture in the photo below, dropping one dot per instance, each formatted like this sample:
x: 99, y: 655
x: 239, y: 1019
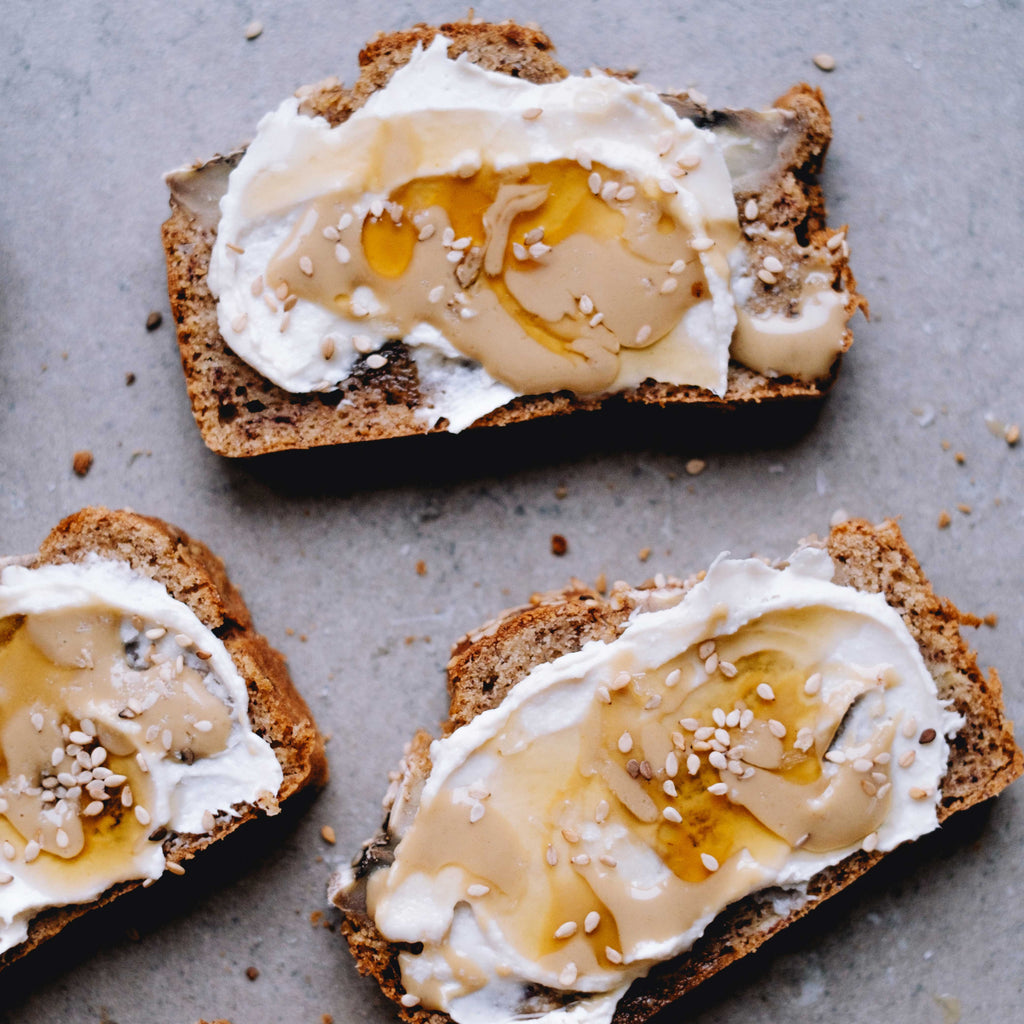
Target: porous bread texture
x: 240, y: 413
x: 193, y: 574
x: 984, y: 758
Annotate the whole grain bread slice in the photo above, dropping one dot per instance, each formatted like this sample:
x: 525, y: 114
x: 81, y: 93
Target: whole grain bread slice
x: 486, y: 664
x: 240, y: 413
x: 193, y: 574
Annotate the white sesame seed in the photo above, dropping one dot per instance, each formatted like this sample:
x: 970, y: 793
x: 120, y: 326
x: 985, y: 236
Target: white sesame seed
x: 671, y: 814
x: 57, y: 756
x: 32, y: 849
x: 669, y: 787
x: 408, y: 1000
x: 608, y: 861
x: 653, y: 702
x: 330, y: 232
x: 142, y: 815
x: 672, y: 764
x: 80, y: 738
x: 907, y: 758
x: 765, y: 692
x: 693, y: 764
x: 679, y: 740
x: 476, y: 812
x: 37, y: 720
x: 625, y: 193
x: 804, y: 739
x: 813, y: 685
x: 773, y: 264
x: 612, y: 955
x: 723, y: 737
x: 306, y: 265
x: 92, y: 809
x: 836, y: 757
x: 532, y: 113
x: 717, y: 759
x: 455, y: 256
x: 718, y: 789
x: 668, y: 286
x: 677, y: 267
x: 591, y: 922
x: 711, y: 863
x: 551, y: 855
x: 435, y: 294
x: 570, y: 835
x: 8, y: 850
x: 327, y: 347
x: 776, y: 728
x: 601, y: 812
x: 586, y: 305
x: 668, y: 186
x: 539, y: 249
x: 643, y: 334
x: 344, y: 221
x: 567, y: 975
x: 112, y: 781
x: 909, y: 727
x: 711, y: 664
x: 701, y: 244
x: 127, y: 799
x: 358, y: 310
x: 238, y: 323
x: 427, y: 231
x: 750, y: 209
x: 140, y: 760
x: 594, y: 183
x: 705, y: 732
x: 166, y: 739
x: 462, y: 243
x: 691, y: 161
x: 870, y: 843
x: 835, y: 241
x: 566, y: 930
x: 625, y: 743
x: 728, y: 669
x: 664, y: 142
x: 342, y: 253
x: 766, y: 277
x: 478, y: 890
x: 5, y: 878
x: 609, y: 191
x: 377, y: 208
x: 883, y: 790
x: 869, y: 787
x: 917, y: 793
x: 99, y: 755
x: 824, y: 61
x: 448, y: 236
x: 690, y: 724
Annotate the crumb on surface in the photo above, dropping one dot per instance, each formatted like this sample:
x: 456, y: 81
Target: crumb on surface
x: 944, y: 519
x: 82, y: 462
x: 559, y: 545
x: 1013, y: 434
x: 327, y: 834
x: 252, y: 973
x: 421, y: 568
x: 253, y: 30
x: 601, y: 583
x: 695, y: 466
x: 561, y: 492
x: 991, y: 620
x: 960, y: 457
x: 154, y: 320
x: 824, y: 61
x: 129, y: 378
x: 964, y: 507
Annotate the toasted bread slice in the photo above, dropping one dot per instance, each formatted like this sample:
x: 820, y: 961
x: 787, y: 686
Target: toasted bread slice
x: 486, y: 664
x: 193, y: 575
x: 241, y: 413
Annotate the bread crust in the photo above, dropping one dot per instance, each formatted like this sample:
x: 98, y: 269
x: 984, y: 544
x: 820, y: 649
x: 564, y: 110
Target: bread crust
x: 194, y: 575
x: 984, y: 758
x: 240, y: 413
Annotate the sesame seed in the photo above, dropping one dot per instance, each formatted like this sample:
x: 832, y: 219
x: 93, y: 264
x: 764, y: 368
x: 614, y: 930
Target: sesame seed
x: 478, y: 890
x: 633, y: 768
x: 690, y: 724
x: 679, y: 740
x: 671, y: 814
x: 62, y: 839
x: 99, y: 755
x: 835, y: 241
x: 813, y: 684
x: 358, y: 310
x: 717, y: 759
x: 776, y: 728
x: 723, y: 737
x: 883, y: 758
x: 208, y: 821
x: 532, y: 113
x: 750, y: 209
x: 705, y: 732
x: 601, y: 812
x: 909, y: 727
x: 435, y: 294
x: 706, y: 649
x: 773, y: 264
x: 476, y: 812
x: 863, y: 764
x: 80, y: 738
x: 409, y: 1000
x: 539, y: 249
x: 594, y: 183
x: 870, y: 843
x: 677, y: 267
x: 570, y: 835
x: 551, y: 855
x: 711, y: 863
x: 668, y: 286
x: 282, y: 290
x: 613, y: 955
x: 869, y: 787
x: 609, y: 191
x: 669, y: 788
x: 289, y: 304
x: 626, y: 192
x: 765, y: 692
x: 693, y: 764
x: 126, y: 796
x: 462, y: 243
x: 608, y: 861
x: 672, y: 678
x: 581, y: 859
x: 672, y: 764
x: 342, y: 253
x: 766, y: 276
x: 376, y: 361
x: 8, y: 849
x: 142, y: 815
x: 711, y: 664
x: 327, y: 347
x: 566, y: 930
x: 467, y: 313
x: 57, y: 756
x: 653, y: 702
x: 927, y: 736
x: 623, y: 679
x: 567, y: 975
x: 306, y: 265
x: 668, y: 186
x: 732, y: 719
x: 5, y: 878
x: 330, y: 232
x: 583, y: 159
x: 586, y: 305
x: 32, y: 849
x: 140, y: 760
x: 664, y: 142
x: 883, y: 790
x: 643, y: 334
x: 917, y: 793
x: 377, y: 208
x: 701, y: 244
x: 238, y: 323
x: 603, y: 695
x: 836, y: 757
x: 591, y: 922
x: 718, y: 789
x: 38, y: 721
x: 455, y: 256
x: 92, y: 809
x: 907, y: 758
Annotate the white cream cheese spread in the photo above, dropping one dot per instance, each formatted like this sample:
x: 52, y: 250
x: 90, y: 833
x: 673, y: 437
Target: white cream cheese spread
x: 742, y: 737
x: 122, y: 717
x: 519, y: 238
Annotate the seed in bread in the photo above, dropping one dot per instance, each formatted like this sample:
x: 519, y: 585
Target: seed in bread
x: 669, y: 738
x: 455, y: 291
x: 143, y: 718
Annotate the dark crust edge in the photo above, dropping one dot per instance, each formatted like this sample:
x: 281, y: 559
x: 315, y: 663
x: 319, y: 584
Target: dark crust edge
x: 984, y: 758
x: 240, y: 413
x: 195, y: 576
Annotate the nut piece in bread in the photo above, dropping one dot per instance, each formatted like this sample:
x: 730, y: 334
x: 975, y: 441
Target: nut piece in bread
x: 143, y: 718
x: 525, y: 647
x: 790, y: 277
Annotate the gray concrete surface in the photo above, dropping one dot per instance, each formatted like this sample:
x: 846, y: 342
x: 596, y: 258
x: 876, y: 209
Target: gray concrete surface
x: 99, y: 99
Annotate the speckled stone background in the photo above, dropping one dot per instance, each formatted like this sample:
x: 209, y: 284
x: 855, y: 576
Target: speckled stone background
x: 99, y: 99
